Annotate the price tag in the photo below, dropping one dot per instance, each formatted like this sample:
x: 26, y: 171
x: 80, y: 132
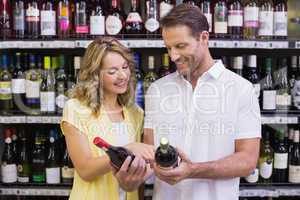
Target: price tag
x: 262, y: 45
x: 247, y: 44
x: 34, y: 120
x: 17, y: 120
x: 82, y: 43
x: 63, y: 44
x: 47, y: 44
x: 160, y: 44
x: 297, y: 45
x: 236, y: 44
x: 150, y: 44
x: 280, y: 44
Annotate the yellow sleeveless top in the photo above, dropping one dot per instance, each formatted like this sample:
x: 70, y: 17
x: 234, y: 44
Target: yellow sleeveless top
x: 104, y: 187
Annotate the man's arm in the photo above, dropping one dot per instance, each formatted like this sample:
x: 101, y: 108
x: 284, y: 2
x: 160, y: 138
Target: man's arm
x: 239, y: 164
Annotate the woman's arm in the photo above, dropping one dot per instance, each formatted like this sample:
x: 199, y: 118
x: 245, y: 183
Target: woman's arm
x: 87, y: 166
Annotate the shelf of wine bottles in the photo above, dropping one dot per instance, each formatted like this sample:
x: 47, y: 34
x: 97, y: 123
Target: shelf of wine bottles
x: 265, y: 119
x: 148, y: 43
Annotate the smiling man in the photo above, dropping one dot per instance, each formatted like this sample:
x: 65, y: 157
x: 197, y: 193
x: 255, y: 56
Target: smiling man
x: 208, y: 112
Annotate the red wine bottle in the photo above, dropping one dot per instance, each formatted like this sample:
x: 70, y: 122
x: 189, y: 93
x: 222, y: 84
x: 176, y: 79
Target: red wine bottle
x: 166, y: 155
x: 116, y: 154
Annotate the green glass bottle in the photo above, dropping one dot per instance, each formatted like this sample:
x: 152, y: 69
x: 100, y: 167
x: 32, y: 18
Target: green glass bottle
x: 6, y: 101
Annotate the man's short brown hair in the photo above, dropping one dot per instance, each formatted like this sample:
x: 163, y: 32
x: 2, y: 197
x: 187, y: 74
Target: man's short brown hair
x: 188, y: 15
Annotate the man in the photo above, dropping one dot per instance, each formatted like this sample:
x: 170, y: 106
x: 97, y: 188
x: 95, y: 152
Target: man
x: 208, y: 112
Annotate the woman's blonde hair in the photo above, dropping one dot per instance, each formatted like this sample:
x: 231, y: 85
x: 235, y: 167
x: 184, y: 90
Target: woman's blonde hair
x: 89, y: 89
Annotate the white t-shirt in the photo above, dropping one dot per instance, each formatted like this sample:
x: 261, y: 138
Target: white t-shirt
x: 120, y: 128
x: 204, y: 123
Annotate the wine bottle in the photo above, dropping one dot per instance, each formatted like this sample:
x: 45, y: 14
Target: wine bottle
x: 238, y: 65
x: 97, y: 19
x: 280, y: 159
x: 152, y: 22
x: 139, y: 93
x: 266, y: 159
x: 205, y: 6
x: 33, y: 81
x: 116, y: 154
x: 280, y: 19
x: 283, y: 93
x: 5, y: 19
x: 235, y: 19
x: 253, y: 177
x: 114, y: 19
x: 32, y: 19
x: 48, y: 89
x: 48, y: 19
x: 165, y: 69
x: 8, y: 161
x: 134, y: 25
x: 251, y: 23
x: 268, y: 91
x: 19, y: 19
x: 220, y: 19
x: 266, y: 15
x: 252, y: 74
x: 18, y: 85
x: 24, y: 165
x: 64, y: 23
x: 165, y: 6
x: 81, y: 19
x: 61, y: 85
x: 294, y: 166
x: 52, y: 164
x: 67, y: 168
x: 38, y: 160
x: 150, y: 76
x: 166, y: 155
x: 6, y: 102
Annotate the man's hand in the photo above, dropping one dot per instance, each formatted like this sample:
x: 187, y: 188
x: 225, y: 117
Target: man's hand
x: 175, y: 175
x: 142, y: 150
x: 130, y: 177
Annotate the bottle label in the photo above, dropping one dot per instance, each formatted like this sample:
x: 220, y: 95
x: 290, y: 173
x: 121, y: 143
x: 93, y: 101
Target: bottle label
x: 9, y: 173
x: 19, y: 19
x: 251, y: 17
x: 280, y: 23
x: 32, y: 14
x: 209, y: 20
x: 265, y: 23
x: 113, y: 25
x: 82, y: 29
x: 283, y: 100
x: 97, y: 24
x: 38, y: 178
x: 253, y: 177
x: 23, y: 179
x: 235, y: 18
x: 220, y: 27
x: 53, y: 175
x: 67, y: 172
x: 47, y: 101
x: 61, y: 100
x: 64, y: 23
x: 164, y: 9
x: 152, y: 24
x: 280, y: 160
x: 265, y: 169
x: 32, y: 89
x: 269, y: 99
x: 48, y: 26
x: 134, y: 17
x: 5, y: 90
x: 294, y: 174
x: 257, y: 89
x: 18, y: 86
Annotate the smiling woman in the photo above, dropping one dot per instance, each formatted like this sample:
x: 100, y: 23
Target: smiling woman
x: 102, y: 104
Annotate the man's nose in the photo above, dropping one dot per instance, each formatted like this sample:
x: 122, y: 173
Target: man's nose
x: 174, y: 55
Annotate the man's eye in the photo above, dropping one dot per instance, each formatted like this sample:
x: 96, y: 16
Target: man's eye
x: 125, y: 67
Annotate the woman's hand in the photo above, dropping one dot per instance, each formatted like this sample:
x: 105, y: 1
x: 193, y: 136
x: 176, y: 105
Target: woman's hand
x: 130, y: 176
x: 142, y: 150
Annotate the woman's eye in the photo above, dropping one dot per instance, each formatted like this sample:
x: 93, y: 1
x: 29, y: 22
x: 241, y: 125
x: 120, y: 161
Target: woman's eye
x: 112, y: 71
x: 125, y: 67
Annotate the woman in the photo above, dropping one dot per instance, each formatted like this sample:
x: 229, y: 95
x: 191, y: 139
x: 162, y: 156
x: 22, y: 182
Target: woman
x: 102, y: 105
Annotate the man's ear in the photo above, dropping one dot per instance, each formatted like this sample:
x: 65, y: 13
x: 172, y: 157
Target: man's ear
x: 203, y: 36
